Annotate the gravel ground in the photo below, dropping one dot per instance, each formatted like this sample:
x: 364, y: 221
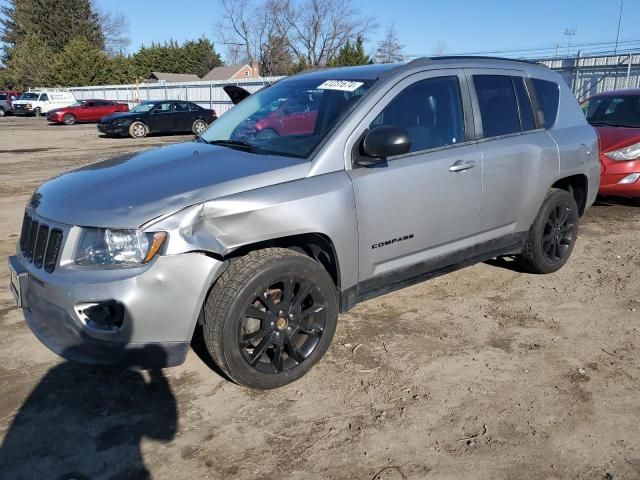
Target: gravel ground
x: 486, y: 373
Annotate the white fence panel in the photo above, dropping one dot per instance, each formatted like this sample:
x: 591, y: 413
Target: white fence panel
x: 204, y: 93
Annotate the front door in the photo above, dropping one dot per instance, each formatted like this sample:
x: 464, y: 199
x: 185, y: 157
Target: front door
x: 161, y: 118
x: 419, y: 208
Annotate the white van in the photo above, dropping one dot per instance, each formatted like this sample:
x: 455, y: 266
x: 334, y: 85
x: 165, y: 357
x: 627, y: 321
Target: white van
x: 39, y: 102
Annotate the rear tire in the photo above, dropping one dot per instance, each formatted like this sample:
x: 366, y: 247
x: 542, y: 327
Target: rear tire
x: 270, y: 317
x: 68, y: 119
x: 199, y: 126
x: 138, y: 130
x: 553, y: 234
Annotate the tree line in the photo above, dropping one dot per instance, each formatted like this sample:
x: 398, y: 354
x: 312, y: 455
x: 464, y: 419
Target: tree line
x: 75, y: 43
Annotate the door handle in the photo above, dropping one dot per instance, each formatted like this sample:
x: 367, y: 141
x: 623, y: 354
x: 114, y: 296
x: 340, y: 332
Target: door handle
x: 461, y: 166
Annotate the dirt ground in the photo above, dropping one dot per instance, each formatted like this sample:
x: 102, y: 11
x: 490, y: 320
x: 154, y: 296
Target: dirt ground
x: 486, y: 373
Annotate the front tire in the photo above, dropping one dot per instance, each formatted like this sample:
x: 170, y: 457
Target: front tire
x: 38, y: 112
x: 553, y: 234
x: 138, y: 130
x: 2, y: 112
x: 199, y: 126
x: 68, y: 119
x: 270, y: 317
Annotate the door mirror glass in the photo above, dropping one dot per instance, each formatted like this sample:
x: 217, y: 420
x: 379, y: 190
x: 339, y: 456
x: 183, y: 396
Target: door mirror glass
x: 383, y: 142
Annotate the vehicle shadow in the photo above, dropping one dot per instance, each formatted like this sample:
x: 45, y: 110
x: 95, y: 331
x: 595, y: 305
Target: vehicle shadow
x: 508, y: 263
x: 613, y: 201
x: 85, y: 422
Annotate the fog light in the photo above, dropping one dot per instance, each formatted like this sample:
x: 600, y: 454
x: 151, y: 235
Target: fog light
x: 107, y: 315
x: 631, y: 178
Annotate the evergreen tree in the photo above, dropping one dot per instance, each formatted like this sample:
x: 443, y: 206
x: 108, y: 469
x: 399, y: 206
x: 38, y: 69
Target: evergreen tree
x: 80, y: 63
x: 57, y: 22
x: 30, y: 63
x: 350, y: 54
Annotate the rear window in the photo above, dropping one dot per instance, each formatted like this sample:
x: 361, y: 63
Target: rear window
x: 498, y: 105
x: 548, y: 94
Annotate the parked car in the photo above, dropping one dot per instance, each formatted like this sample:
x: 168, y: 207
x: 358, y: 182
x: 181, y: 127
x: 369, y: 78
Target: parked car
x: 616, y: 117
x: 86, y: 111
x: 6, y: 99
x: 41, y: 102
x: 410, y: 171
x: 162, y: 116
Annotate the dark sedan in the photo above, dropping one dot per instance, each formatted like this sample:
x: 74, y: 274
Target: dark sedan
x: 162, y: 116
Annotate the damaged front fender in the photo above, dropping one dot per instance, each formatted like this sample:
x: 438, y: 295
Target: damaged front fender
x: 321, y: 204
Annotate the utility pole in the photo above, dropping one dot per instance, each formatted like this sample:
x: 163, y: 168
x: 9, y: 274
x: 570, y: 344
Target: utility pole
x: 569, y: 32
x: 615, y: 50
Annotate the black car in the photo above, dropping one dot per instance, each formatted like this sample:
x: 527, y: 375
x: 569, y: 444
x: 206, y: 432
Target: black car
x: 161, y: 116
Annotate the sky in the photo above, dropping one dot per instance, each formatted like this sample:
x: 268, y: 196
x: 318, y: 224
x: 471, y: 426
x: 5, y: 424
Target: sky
x: 425, y: 27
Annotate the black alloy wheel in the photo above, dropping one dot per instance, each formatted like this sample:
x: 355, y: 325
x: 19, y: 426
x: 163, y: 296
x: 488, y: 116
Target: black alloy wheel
x: 559, y: 232
x: 282, y: 325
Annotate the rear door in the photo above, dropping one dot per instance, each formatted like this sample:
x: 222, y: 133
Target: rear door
x: 519, y: 157
x: 102, y: 108
x: 183, y: 116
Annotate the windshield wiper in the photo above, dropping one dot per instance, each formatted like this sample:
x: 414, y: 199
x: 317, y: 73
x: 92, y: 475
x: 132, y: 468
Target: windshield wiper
x: 239, y: 144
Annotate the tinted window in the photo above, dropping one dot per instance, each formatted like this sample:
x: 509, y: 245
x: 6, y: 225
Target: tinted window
x: 498, y: 106
x: 524, y: 105
x: 548, y: 94
x: 617, y: 111
x: 430, y: 111
x: 3, y: 96
x: 180, y: 107
x: 44, y: 97
x: 102, y: 104
x: 193, y: 107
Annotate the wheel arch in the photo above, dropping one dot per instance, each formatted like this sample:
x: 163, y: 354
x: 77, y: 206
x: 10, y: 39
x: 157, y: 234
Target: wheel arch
x: 313, y: 244
x: 576, y: 185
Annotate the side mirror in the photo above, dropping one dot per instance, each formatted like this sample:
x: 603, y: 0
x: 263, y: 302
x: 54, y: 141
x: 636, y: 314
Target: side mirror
x: 383, y: 142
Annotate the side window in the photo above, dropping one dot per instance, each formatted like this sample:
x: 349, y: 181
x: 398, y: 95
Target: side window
x: 180, y: 107
x: 44, y: 97
x: 524, y: 105
x: 548, y: 94
x: 162, y: 108
x: 498, y: 106
x: 89, y: 104
x: 102, y: 104
x: 193, y: 107
x: 430, y: 111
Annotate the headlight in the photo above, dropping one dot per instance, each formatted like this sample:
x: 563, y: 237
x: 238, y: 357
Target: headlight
x: 103, y: 246
x: 122, y: 123
x: 631, y: 152
x: 28, y: 106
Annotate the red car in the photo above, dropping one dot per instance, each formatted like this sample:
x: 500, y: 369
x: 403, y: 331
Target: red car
x: 86, y: 111
x: 616, y: 117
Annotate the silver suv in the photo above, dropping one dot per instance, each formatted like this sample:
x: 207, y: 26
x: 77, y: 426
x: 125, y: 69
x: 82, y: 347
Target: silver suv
x: 321, y: 191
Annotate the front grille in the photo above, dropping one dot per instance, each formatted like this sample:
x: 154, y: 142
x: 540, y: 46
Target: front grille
x: 40, y: 244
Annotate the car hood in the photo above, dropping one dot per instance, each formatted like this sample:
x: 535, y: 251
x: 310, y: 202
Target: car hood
x: 613, y: 138
x: 128, y: 191
x: 117, y: 116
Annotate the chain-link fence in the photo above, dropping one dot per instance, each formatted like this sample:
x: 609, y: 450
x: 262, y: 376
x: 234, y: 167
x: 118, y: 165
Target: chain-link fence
x: 590, y: 75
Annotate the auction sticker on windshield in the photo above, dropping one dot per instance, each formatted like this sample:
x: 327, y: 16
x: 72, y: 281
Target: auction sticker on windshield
x: 342, y: 85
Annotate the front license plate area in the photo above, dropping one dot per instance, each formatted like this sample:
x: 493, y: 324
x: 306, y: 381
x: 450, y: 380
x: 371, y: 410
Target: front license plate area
x: 16, y: 280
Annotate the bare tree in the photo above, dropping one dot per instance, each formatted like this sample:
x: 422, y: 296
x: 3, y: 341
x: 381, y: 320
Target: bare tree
x: 440, y: 49
x: 389, y: 49
x: 309, y: 30
x: 115, y: 30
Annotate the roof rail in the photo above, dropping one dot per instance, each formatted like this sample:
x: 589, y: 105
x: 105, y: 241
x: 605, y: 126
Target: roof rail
x: 426, y: 60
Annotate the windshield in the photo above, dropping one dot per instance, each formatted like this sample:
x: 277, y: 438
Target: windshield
x: 143, y: 107
x: 615, y: 111
x: 29, y: 96
x: 289, y: 118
